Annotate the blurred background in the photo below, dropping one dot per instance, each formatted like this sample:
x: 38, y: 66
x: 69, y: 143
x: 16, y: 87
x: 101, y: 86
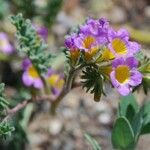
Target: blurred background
x: 78, y: 114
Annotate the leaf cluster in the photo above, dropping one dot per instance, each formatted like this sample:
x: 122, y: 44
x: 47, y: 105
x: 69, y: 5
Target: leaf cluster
x: 132, y: 122
x: 93, y: 81
x: 30, y: 43
x: 3, y: 102
x: 5, y: 128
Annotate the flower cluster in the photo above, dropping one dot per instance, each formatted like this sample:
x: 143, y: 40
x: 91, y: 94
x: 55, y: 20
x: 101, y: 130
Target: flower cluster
x: 5, y: 45
x: 31, y: 78
x: 97, y: 42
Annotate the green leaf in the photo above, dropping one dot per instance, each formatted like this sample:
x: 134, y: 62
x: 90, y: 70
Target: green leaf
x: 137, y: 124
x: 3, y: 101
x: 93, y: 82
x: 146, y: 118
x: 146, y: 84
x: 128, y: 107
x: 5, y: 129
x: 122, y: 134
x: 29, y: 42
x: 141, y: 122
x: 92, y: 142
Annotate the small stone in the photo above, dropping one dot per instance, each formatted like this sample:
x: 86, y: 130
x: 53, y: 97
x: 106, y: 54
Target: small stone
x: 68, y: 113
x: 101, y: 106
x: 104, y: 118
x: 55, y: 126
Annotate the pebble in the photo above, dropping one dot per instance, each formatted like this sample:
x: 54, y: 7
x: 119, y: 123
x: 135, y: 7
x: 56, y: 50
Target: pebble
x: 104, y: 118
x: 55, y: 126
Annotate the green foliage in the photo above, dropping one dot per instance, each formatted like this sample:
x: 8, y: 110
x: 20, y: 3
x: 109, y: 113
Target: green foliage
x: 92, y: 142
x: 146, y: 84
x: 144, y: 62
x: 128, y: 107
x: 6, y: 129
x: 146, y: 118
x: 3, y: 101
x: 133, y: 118
x: 137, y: 124
x: 31, y: 44
x: 144, y: 68
x: 17, y: 140
x: 93, y: 81
x: 122, y: 134
x: 52, y: 9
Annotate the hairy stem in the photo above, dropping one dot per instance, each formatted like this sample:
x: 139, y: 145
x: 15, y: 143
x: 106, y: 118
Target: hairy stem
x: 67, y: 88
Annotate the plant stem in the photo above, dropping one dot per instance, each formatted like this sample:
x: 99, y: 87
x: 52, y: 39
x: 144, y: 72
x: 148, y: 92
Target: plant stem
x: 66, y: 89
x: 68, y: 85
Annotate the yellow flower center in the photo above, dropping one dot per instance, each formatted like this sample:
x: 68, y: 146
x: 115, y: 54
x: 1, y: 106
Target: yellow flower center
x: 107, y: 55
x: 3, y: 43
x: 74, y: 54
x: 106, y: 70
x: 119, y: 46
x: 122, y: 73
x: 88, y: 41
x: 32, y: 72
x: 91, y: 53
x: 55, y: 81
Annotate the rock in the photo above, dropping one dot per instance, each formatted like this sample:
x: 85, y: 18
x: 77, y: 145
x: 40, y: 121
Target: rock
x: 68, y: 113
x: 55, y: 126
x: 104, y: 118
x: 101, y: 106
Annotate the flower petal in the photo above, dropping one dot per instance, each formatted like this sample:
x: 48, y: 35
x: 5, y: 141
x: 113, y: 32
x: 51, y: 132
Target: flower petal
x: 26, y: 63
x: 136, y: 78
x: 38, y: 83
x: 134, y: 47
x: 79, y: 43
x: 123, y: 34
x: 27, y: 80
x: 124, y: 89
x: 132, y: 62
x: 115, y: 83
x: 117, y: 62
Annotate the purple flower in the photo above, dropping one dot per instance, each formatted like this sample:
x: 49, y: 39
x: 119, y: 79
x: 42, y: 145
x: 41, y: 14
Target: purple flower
x: 30, y: 76
x: 124, y: 75
x: 5, y: 46
x: 42, y: 32
x: 89, y: 44
x: 90, y: 27
x: 86, y: 42
x: 56, y: 81
x: 70, y: 44
x: 98, y: 28
x: 120, y: 45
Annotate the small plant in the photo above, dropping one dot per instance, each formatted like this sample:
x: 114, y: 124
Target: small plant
x: 132, y: 122
x: 103, y: 55
x: 5, y: 128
